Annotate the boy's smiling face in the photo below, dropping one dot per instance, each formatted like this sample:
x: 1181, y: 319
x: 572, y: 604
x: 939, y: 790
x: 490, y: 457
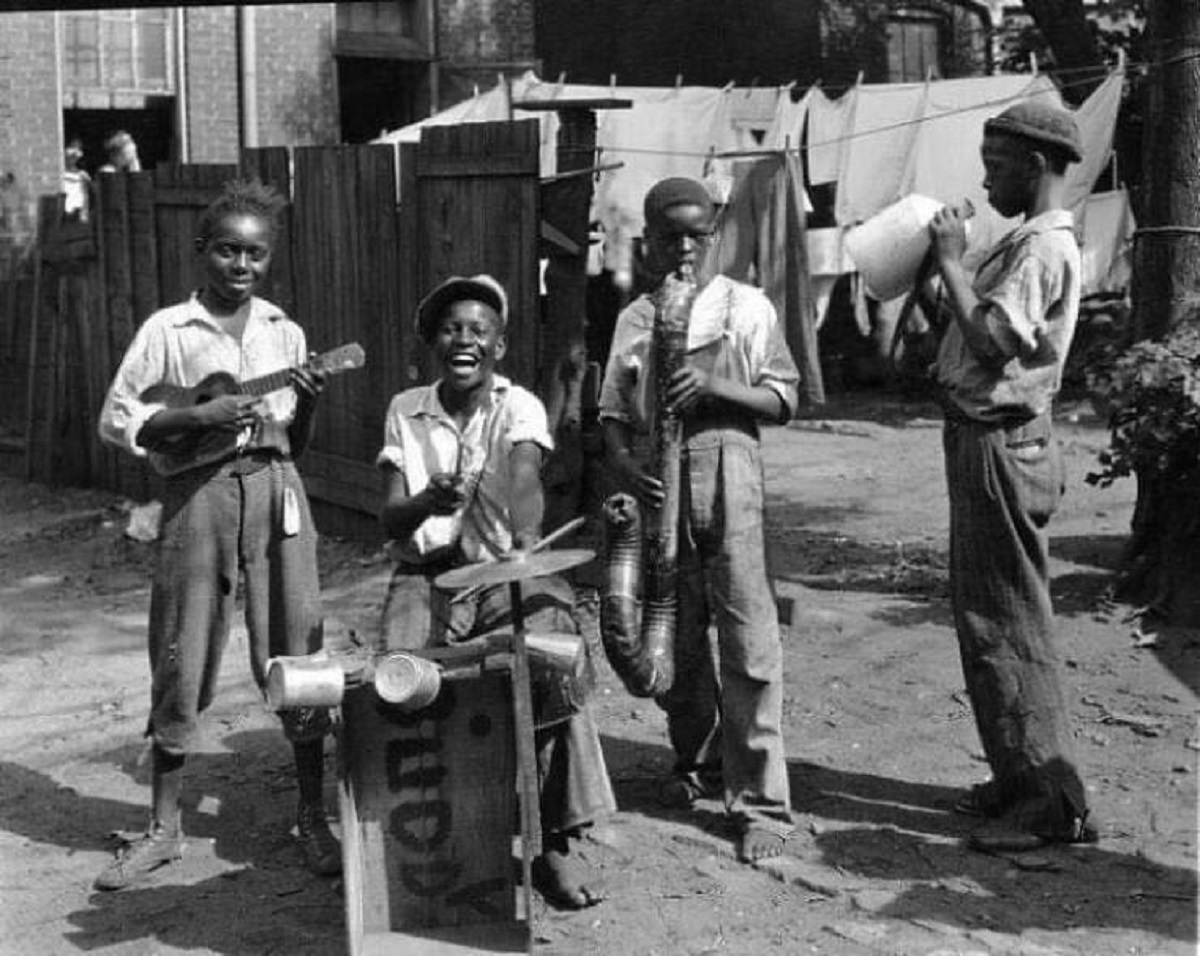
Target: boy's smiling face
x: 467, y: 343
x: 236, y: 257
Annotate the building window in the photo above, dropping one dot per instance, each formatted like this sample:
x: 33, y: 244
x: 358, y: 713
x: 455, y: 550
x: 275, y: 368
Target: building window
x: 914, y: 45
x: 118, y: 50
x: 389, y: 17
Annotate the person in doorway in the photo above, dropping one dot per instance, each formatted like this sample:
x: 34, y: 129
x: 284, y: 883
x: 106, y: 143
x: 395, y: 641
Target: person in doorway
x: 237, y: 510
x: 462, y: 459
x: 122, y: 154
x: 75, y: 184
x: 724, y: 719
x: 999, y: 366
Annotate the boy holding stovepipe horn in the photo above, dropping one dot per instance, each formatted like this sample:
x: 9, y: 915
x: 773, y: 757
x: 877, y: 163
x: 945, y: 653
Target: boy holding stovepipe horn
x: 725, y: 727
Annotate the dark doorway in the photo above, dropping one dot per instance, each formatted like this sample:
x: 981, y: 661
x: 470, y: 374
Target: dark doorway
x: 152, y: 128
x: 377, y: 95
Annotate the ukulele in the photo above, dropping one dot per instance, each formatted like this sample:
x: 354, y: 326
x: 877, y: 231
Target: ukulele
x: 184, y: 452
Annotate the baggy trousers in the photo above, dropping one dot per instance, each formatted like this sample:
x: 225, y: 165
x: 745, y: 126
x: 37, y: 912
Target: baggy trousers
x: 218, y: 526
x: 727, y: 713
x: 1004, y: 485
x: 574, y: 789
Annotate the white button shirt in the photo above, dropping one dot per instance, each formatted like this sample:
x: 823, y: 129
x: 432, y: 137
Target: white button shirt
x: 421, y: 439
x: 182, y: 345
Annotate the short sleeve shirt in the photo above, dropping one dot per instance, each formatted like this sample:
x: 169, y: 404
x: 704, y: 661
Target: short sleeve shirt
x: 422, y: 439
x: 1028, y: 289
x: 725, y: 311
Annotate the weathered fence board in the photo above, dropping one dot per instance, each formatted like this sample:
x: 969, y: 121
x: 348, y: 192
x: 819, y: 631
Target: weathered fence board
x: 352, y: 259
x: 485, y: 222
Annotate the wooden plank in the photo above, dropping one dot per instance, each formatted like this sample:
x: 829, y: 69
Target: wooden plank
x: 33, y: 376
x: 178, y: 194
x: 460, y: 217
x: 143, y: 247
x: 347, y: 482
x: 272, y: 166
x: 118, y: 285
x: 434, y: 816
x: 413, y: 360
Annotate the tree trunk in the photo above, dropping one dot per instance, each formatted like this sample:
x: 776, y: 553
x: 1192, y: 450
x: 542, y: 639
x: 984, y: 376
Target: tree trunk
x: 1068, y: 33
x: 1164, y: 555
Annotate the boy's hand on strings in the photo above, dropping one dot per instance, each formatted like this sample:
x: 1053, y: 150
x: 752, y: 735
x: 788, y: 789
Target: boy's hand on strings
x: 227, y: 412
x: 445, y: 493
x: 308, y: 383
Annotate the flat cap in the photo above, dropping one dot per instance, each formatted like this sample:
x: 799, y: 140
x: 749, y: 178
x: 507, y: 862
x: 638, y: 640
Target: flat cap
x: 1042, y: 123
x: 478, y: 288
x: 676, y: 191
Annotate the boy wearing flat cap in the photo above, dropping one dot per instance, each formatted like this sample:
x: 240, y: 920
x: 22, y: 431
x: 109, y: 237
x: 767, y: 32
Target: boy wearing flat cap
x: 462, y: 462
x: 724, y: 717
x: 999, y: 366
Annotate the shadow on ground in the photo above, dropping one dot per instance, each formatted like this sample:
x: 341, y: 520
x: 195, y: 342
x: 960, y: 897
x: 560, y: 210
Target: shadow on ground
x: 873, y: 831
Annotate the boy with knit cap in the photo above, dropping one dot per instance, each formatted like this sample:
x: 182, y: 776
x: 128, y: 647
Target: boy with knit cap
x: 723, y: 716
x: 999, y: 366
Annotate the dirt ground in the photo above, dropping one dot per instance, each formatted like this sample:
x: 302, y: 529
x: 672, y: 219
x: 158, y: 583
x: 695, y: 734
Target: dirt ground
x: 879, y: 736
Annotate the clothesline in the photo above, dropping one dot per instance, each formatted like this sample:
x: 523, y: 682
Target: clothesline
x: 890, y: 128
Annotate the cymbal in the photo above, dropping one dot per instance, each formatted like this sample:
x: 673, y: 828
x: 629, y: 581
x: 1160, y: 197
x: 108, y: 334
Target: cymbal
x: 535, y: 565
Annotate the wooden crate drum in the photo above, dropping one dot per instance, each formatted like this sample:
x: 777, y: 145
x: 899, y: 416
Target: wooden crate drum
x: 428, y: 812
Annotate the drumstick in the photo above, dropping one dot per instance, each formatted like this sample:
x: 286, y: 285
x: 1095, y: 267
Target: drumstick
x: 539, y: 545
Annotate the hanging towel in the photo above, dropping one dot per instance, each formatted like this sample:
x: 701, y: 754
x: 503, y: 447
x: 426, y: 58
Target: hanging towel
x: 761, y: 240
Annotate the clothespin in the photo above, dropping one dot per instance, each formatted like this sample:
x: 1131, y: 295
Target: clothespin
x: 1033, y: 64
x: 929, y: 73
x: 1121, y: 59
x: 750, y: 89
x: 562, y: 79
x: 678, y: 82
x: 727, y: 87
x: 858, y: 79
x: 612, y: 85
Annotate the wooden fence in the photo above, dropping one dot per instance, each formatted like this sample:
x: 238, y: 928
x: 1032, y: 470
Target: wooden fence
x: 363, y: 240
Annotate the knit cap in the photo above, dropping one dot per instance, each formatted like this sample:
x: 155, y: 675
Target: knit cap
x: 1040, y: 122
x: 675, y: 191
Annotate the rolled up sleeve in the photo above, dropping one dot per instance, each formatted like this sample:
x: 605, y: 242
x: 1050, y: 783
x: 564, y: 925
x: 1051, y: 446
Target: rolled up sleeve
x: 1011, y: 312
x: 771, y: 361
x: 527, y: 421
x: 124, y: 413
x: 391, y: 455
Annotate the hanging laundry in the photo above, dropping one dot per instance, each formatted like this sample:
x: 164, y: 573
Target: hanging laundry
x: 761, y: 240
x: 1108, y: 226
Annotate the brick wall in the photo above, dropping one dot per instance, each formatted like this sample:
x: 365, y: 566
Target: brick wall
x: 485, y: 30
x: 707, y: 42
x: 212, y: 99
x: 297, y: 93
x: 30, y: 135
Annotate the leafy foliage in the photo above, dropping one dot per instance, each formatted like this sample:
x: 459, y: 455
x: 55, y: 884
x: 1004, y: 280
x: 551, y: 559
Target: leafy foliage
x: 1152, y: 393
x: 1116, y: 24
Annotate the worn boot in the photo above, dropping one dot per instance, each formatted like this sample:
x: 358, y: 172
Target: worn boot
x: 138, y: 858
x: 322, y: 852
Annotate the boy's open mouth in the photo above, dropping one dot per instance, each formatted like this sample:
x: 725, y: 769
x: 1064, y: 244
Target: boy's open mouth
x: 463, y: 361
